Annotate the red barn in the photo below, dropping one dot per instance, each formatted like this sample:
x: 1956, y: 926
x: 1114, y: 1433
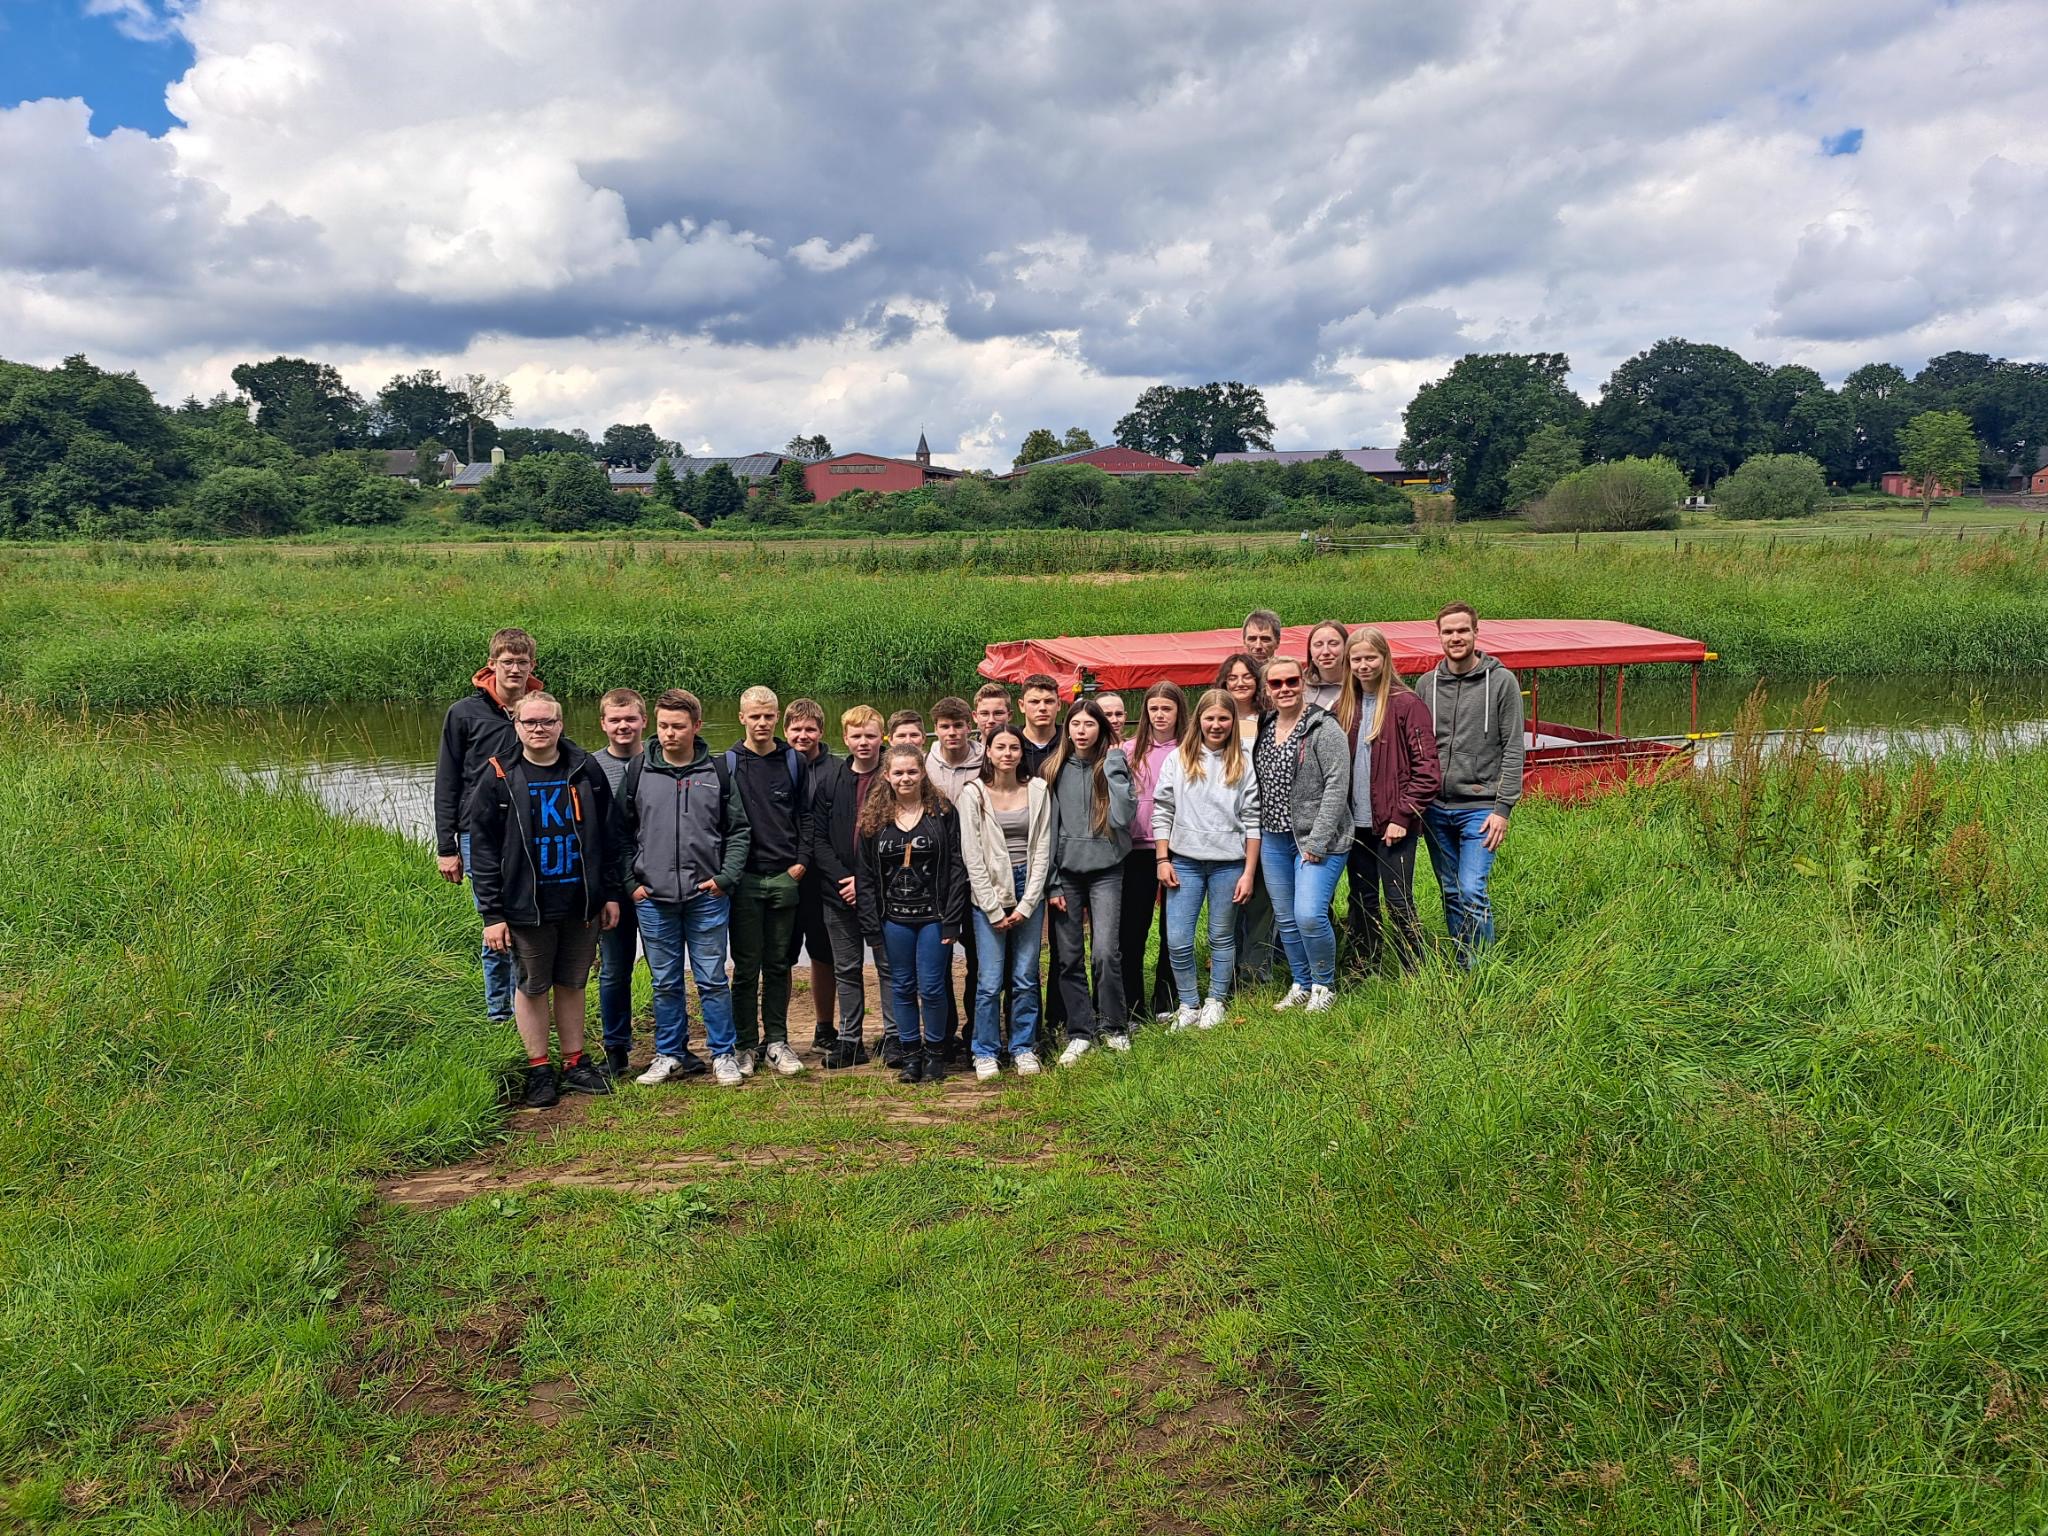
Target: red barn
x: 2037, y: 485
x: 1113, y: 460
x: 845, y: 472
x: 1898, y: 483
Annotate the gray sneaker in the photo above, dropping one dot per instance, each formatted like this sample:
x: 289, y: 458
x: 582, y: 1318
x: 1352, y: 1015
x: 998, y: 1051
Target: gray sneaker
x: 725, y: 1071
x: 746, y: 1063
x: 783, y: 1059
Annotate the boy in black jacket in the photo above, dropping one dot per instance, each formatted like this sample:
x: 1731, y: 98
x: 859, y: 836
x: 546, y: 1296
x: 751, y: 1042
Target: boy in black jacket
x: 841, y: 783
x: 545, y: 886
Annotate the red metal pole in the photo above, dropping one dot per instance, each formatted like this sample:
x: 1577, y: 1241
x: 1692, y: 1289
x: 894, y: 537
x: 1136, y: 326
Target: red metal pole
x: 1618, y: 671
x: 1600, y: 700
x: 1535, y: 702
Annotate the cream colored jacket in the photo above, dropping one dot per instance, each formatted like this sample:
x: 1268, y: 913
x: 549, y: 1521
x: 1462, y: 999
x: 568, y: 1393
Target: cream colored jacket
x: 987, y: 854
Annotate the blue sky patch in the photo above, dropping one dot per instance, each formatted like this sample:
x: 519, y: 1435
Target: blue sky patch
x: 1847, y: 142
x: 52, y: 48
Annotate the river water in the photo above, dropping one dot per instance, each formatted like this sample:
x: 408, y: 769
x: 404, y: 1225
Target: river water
x: 377, y: 762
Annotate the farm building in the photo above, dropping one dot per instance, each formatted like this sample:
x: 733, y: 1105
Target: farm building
x: 1382, y: 464
x: 470, y: 476
x: 747, y: 468
x: 845, y: 472
x: 1898, y: 483
x: 1124, y: 463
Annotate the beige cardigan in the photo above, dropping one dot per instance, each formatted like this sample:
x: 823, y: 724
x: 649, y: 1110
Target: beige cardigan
x: 987, y: 853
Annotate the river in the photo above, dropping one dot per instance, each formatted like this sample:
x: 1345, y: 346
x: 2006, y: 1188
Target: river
x: 377, y: 762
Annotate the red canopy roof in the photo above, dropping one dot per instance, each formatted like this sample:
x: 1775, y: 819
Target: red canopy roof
x: 1138, y: 661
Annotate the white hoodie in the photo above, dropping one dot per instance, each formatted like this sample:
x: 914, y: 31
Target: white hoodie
x: 1205, y: 818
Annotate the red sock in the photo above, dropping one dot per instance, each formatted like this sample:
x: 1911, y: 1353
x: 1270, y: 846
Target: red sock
x: 538, y: 1061
x: 575, y: 1059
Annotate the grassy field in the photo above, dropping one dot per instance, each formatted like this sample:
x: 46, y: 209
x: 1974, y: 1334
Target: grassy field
x: 1715, y: 1203
x: 146, y: 628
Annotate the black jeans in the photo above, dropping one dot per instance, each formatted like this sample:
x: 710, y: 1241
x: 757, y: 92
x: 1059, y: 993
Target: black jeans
x: 1097, y: 894
x: 1379, y: 869
x: 1134, y: 929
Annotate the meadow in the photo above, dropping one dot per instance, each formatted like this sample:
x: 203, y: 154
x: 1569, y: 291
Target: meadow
x: 133, y: 628
x: 1714, y: 1202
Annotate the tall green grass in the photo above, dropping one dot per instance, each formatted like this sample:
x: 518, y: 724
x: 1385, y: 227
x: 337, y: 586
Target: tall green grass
x: 149, y: 628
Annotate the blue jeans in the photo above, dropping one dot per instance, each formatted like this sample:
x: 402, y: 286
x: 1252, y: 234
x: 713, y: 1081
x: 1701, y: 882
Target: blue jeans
x: 1009, y: 957
x: 1302, y: 892
x: 919, y: 965
x: 616, y: 952
x: 500, y: 975
x: 1463, y: 864
x: 668, y: 932
x: 1210, y: 880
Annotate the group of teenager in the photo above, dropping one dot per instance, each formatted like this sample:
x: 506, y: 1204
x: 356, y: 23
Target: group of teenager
x: 1247, y: 801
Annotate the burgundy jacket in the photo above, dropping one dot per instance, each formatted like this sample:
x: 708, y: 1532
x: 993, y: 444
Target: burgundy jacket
x: 1405, y: 773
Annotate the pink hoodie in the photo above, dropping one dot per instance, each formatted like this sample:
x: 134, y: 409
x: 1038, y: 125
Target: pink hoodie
x: 1147, y: 776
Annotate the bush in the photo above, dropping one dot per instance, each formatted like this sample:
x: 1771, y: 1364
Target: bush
x: 377, y: 500
x: 1773, y: 485
x: 1610, y: 498
x: 245, y: 501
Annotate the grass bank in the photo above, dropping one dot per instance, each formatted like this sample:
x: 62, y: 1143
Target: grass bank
x: 138, y: 629
x: 1715, y: 1203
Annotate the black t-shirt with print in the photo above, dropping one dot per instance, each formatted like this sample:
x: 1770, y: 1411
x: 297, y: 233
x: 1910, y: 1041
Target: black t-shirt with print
x: 557, y: 851
x: 910, y: 863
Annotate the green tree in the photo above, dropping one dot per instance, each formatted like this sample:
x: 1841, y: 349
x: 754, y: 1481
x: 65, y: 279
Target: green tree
x: 1622, y: 495
x: 245, y: 501
x: 1803, y: 416
x: 1773, y: 485
x: 1195, y: 424
x: 514, y: 494
x: 518, y: 442
x: 379, y: 499
x: 1072, y: 496
x: 1078, y: 440
x: 634, y: 446
x: 579, y: 494
x: 809, y: 449
x: 303, y: 402
x: 1700, y: 406
x: 414, y: 407
x: 326, y: 493
x: 428, y: 469
x: 78, y: 441
x: 1039, y: 444
x: 1472, y: 424
x: 484, y: 399
x: 1880, y: 401
x: 1939, y: 450
x: 668, y: 490
x: 719, y: 495
x: 791, y: 485
x: 1551, y: 453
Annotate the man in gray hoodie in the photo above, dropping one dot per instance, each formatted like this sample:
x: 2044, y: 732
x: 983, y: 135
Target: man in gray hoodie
x: 1477, y: 706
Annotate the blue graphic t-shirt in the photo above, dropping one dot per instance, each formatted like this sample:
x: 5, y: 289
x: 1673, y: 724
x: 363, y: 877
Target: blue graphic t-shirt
x: 557, y: 854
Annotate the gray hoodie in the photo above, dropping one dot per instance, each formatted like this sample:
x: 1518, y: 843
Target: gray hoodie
x: 1206, y: 818
x: 1320, y: 806
x: 1479, y: 740
x: 1079, y: 850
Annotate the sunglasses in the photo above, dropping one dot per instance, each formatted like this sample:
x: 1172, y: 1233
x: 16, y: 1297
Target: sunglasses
x: 1283, y: 682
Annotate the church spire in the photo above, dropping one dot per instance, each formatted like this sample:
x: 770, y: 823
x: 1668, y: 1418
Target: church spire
x: 924, y: 451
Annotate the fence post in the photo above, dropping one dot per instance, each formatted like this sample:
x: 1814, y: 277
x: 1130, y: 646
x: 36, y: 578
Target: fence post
x: 1767, y: 555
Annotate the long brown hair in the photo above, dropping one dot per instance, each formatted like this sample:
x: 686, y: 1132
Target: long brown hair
x: 1098, y: 775
x: 1192, y: 746
x: 1310, y: 671
x: 880, y: 804
x: 1352, y: 699
x: 1251, y: 664
x: 1146, y: 739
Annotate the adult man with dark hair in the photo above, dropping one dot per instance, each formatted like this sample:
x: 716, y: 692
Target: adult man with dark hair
x: 991, y: 709
x: 1040, y: 701
x: 478, y: 727
x: 1477, y: 706
x: 681, y: 847
x: 546, y: 885
x: 1262, y: 634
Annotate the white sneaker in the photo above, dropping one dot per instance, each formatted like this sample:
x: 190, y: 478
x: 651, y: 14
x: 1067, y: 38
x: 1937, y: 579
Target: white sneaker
x: 725, y: 1071
x: 783, y: 1059
x: 660, y: 1070
x: 1296, y: 996
x: 1211, y: 1014
x: 985, y: 1068
x: 745, y: 1060
x: 1026, y: 1063
x: 1075, y: 1050
x: 1167, y: 1017
x: 1185, y: 1019
x: 1320, y: 1000
x: 1118, y: 1041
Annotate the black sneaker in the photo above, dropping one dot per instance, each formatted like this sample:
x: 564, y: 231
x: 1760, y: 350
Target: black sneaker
x: 586, y: 1077
x: 540, y: 1086
x: 825, y: 1044
x: 847, y: 1053
x: 693, y: 1064
x: 615, y: 1063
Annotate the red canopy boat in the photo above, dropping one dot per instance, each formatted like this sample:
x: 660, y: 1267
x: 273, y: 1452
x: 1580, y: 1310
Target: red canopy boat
x: 1567, y: 762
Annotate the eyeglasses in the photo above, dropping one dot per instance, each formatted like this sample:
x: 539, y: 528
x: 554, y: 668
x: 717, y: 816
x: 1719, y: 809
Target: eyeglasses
x: 546, y: 725
x: 1282, y: 682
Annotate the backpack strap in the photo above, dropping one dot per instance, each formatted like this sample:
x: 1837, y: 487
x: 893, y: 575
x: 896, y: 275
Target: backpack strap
x: 629, y: 786
x: 795, y: 763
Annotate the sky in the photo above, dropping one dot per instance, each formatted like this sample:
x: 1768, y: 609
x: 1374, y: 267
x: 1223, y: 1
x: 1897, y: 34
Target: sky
x: 969, y: 219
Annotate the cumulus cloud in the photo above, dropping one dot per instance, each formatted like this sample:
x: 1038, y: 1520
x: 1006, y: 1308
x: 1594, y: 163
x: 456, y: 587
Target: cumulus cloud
x: 931, y: 205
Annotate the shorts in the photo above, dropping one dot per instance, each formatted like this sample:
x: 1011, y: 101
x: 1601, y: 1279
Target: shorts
x: 558, y: 954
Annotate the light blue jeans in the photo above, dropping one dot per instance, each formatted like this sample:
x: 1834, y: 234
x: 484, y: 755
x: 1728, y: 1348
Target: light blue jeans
x: 669, y: 932
x: 1210, y: 880
x: 1007, y: 958
x: 501, y: 976
x: 1463, y: 865
x: 1302, y: 891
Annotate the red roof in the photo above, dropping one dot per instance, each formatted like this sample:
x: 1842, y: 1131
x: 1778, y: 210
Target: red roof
x: 1111, y: 459
x: 1138, y: 661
